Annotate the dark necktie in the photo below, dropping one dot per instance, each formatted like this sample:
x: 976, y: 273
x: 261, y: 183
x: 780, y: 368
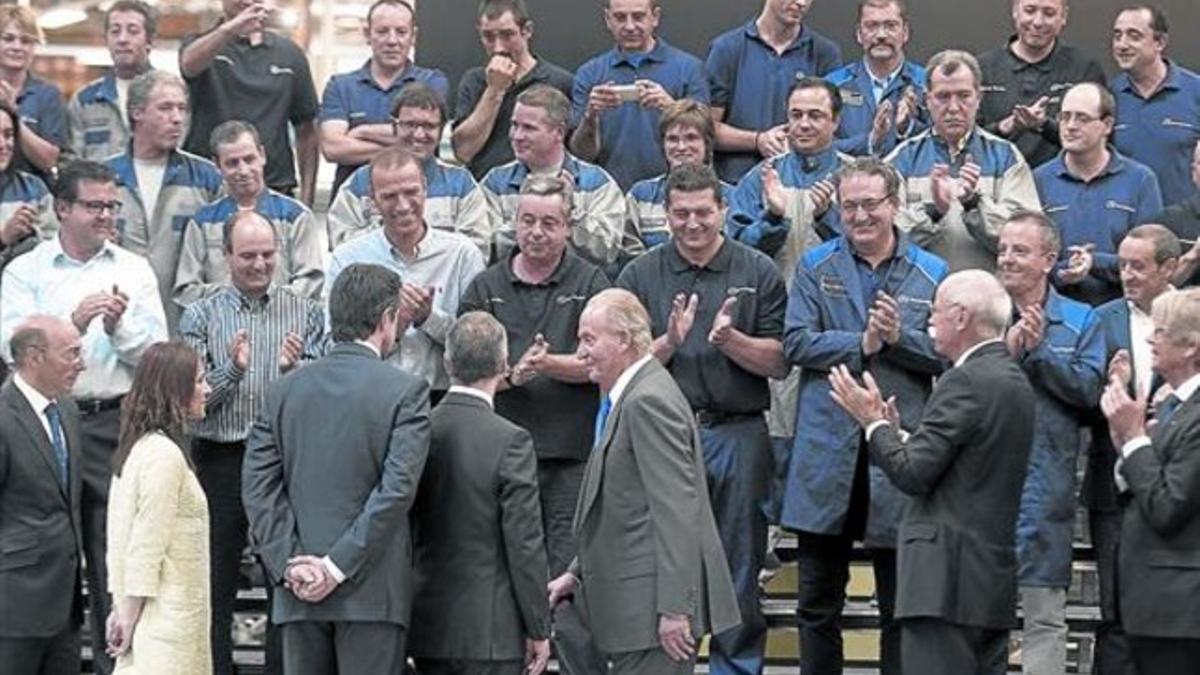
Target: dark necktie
x: 56, y: 439
x: 1167, y: 408
x: 601, y: 420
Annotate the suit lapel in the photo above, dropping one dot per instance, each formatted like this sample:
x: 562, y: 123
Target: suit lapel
x: 29, y: 422
x: 593, y: 475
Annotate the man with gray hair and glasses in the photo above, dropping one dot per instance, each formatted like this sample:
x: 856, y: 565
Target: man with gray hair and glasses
x: 962, y: 465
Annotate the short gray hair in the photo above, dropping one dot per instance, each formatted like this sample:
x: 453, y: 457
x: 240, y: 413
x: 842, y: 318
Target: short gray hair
x: 541, y: 185
x: 1177, y: 312
x: 476, y: 348
x: 229, y: 132
x: 1051, y: 238
x: 1165, y: 242
x: 554, y: 102
x: 950, y: 60
x: 626, y: 316
x: 143, y: 86
x: 870, y: 166
x: 984, y: 298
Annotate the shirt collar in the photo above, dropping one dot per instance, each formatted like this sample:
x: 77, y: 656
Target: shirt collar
x: 657, y: 54
x: 368, y: 345
x: 556, y: 277
x: 407, y: 75
x: 36, y: 399
x: 57, y: 252
x: 1116, y: 164
x: 719, y: 262
x: 802, y: 38
x: 246, y: 302
x: 520, y: 171
x: 887, y: 80
x: 473, y: 392
x: 622, y: 382
x: 1189, y: 387
x: 962, y: 358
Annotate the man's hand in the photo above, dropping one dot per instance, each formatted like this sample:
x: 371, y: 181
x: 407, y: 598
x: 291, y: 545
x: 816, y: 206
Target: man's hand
x: 121, y: 624
x: 531, y: 362
x: 239, y: 350
x: 114, y: 309
x: 882, y: 123
x: 675, y: 636
x: 774, y: 196
x: 90, y: 307
x: 501, y: 73
x: 1120, y: 368
x: 537, y: 655
x: 968, y: 180
x: 561, y: 587
x: 907, y: 109
x: 884, y: 315
x: 1079, y: 264
x: 21, y: 224
x: 418, y: 301
x: 1034, y: 319
x: 771, y: 142
x: 821, y: 194
x: 722, y: 325
x: 290, y: 351
x: 309, y: 579
x: 602, y: 98
x: 944, y: 187
x: 683, y: 315
x: 1126, y: 416
x: 864, y: 402
x: 252, y: 19
x: 652, y: 95
x: 1031, y: 116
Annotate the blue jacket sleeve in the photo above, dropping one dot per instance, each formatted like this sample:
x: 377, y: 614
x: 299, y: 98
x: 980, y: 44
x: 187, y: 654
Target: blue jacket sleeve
x: 807, y: 342
x: 1075, y: 378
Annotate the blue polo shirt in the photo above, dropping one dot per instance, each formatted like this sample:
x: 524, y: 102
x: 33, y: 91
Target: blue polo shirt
x: 861, y: 97
x: 629, y: 145
x: 1098, y: 212
x: 41, y: 108
x: 751, y: 82
x: 1161, y: 131
x: 356, y: 98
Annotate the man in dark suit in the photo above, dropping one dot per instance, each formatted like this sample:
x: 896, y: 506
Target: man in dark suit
x: 964, y: 466
x: 650, y: 568
x: 1158, y: 581
x: 41, y: 482
x: 480, y: 570
x: 331, y: 468
x: 1147, y: 257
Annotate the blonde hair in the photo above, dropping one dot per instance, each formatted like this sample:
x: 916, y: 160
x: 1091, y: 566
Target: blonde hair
x: 25, y: 19
x: 1177, y: 313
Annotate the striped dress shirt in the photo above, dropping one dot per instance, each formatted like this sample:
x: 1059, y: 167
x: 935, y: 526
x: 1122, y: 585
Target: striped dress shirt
x: 209, y: 326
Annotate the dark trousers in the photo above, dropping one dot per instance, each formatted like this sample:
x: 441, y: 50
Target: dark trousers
x: 823, y: 562
x: 559, y: 481
x: 54, y: 655
x: 1165, y: 656
x: 651, y: 662
x: 1112, y: 652
x: 343, y: 648
x: 936, y: 647
x: 219, y: 470
x: 737, y: 459
x: 100, y: 432
x: 468, y: 667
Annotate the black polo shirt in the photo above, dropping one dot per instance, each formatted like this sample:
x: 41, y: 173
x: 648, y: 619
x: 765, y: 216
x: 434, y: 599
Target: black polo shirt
x: 1008, y: 80
x: 559, y: 415
x: 710, y: 380
x: 1184, y: 220
x: 497, y: 150
x: 267, y: 85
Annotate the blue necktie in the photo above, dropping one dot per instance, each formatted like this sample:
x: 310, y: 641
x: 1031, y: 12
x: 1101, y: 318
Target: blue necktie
x: 1167, y: 408
x: 56, y: 439
x: 601, y: 420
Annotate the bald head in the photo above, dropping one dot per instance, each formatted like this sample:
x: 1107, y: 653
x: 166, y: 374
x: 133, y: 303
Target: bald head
x: 982, y: 295
x: 48, y: 354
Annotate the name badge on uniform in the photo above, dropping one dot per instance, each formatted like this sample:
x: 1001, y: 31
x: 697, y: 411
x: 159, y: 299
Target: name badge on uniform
x: 851, y: 97
x: 993, y: 88
x: 1114, y: 204
x: 833, y: 286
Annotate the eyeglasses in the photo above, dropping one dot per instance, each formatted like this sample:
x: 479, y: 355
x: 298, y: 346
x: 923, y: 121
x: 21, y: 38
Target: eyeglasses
x: 410, y: 126
x: 97, y: 206
x: 867, y: 205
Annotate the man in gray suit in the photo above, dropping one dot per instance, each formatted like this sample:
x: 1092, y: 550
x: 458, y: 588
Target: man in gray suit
x: 480, y: 567
x: 964, y: 466
x: 41, y: 482
x: 650, y: 568
x: 331, y: 468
